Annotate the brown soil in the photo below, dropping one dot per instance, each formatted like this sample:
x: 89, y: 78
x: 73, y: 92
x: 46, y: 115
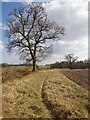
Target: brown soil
x: 78, y: 76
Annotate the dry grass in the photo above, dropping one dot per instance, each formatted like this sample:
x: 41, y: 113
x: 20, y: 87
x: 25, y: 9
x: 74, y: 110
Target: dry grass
x: 43, y: 94
x: 22, y: 97
x: 78, y: 76
x: 64, y: 98
x: 13, y: 72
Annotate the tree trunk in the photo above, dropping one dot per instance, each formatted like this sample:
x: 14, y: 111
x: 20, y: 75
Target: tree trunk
x: 34, y: 65
x: 34, y: 59
x: 70, y: 66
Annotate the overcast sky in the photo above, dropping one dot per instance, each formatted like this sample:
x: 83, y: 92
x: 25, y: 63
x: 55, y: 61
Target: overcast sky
x: 72, y: 14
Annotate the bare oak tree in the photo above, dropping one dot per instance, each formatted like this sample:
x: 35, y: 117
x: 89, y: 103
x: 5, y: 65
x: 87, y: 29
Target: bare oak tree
x: 31, y: 32
x: 70, y: 58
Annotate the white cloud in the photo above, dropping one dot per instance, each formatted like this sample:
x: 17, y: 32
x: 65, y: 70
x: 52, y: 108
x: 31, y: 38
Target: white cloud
x: 3, y: 27
x: 61, y: 48
x: 12, y: 59
x: 0, y: 25
x: 9, y: 58
x: 1, y: 45
x: 4, y: 0
x: 28, y: 0
x: 78, y: 1
x: 73, y: 15
x: 17, y: 1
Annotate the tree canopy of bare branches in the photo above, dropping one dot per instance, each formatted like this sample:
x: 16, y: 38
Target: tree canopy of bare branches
x: 31, y: 32
x: 70, y: 58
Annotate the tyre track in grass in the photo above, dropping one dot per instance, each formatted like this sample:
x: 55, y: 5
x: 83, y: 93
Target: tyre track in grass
x: 28, y: 101
x: 43, y: 96
x: 58, y: 110
x: 32, y: 90
x: 50, y: 106
x: 55, y: 115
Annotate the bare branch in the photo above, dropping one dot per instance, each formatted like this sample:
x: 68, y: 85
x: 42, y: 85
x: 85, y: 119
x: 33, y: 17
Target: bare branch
x: 29, y: 29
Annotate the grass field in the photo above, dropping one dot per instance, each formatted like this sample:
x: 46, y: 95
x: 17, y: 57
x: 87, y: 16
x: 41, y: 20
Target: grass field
x: 13, y: 72
x: 51, y: 93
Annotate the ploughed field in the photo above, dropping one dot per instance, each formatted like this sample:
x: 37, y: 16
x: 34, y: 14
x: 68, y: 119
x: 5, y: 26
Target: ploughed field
x: 52, y: 93
x: 78, y: 76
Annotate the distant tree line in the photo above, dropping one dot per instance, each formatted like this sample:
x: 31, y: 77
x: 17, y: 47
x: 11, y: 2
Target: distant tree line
x: 71, y: 61
x: 76, y: 65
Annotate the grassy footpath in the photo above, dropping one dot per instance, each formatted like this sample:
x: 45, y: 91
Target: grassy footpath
x: 44, y: 94
x: 22, y: 97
